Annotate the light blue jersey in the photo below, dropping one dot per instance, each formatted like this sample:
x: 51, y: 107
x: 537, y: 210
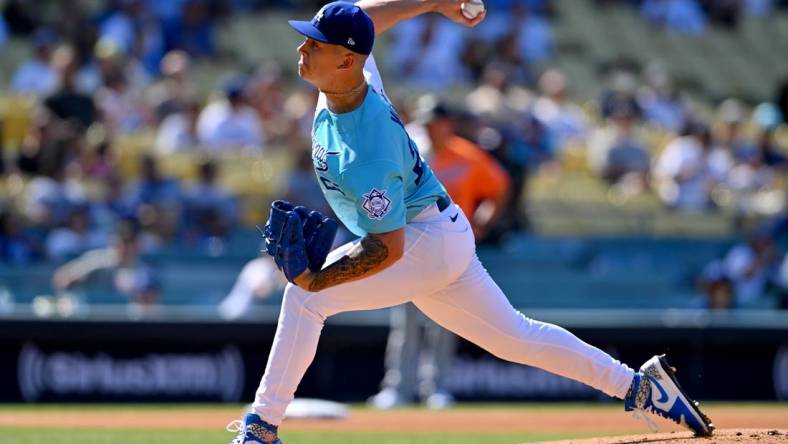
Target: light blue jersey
x: 369, y: 169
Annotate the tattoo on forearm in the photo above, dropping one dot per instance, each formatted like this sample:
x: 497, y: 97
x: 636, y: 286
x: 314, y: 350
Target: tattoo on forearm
x: 368, y: 254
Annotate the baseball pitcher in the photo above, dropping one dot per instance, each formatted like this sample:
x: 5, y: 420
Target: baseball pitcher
x: 415, y: 245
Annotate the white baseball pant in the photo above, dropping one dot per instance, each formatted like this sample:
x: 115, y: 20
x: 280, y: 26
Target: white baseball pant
x: 440, y: 273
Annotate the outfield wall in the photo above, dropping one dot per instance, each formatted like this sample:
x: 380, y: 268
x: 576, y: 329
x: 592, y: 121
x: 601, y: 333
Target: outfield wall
x: 737, y: 356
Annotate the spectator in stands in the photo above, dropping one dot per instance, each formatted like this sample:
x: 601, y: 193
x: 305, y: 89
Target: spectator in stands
x: 563, y: 119
x: 731, y: 115
x: 767, y: 119
x: 258, y: 280
x: 689, y: 168
x: 660, y: 101
x: 768, y: 152
x: 717, y: 288
x: 620, y: 92
x: 50, y: 197
x: 119, y: 24
x: 36, y: 76
x: 41, y: 152
x: 178, y: 131
x: 426, y: 53
x: 522, y: 145
x: 532, y: 34
x: 76, y: 236
x: 750, y: 265
x: 267, y: 96
x: 109, y: 61
x: 299, y: 109
x: 131, y: 27
x: 617, y: 152
x: 508, y: 52
x: 110, y: 207
x: 3, y: 32
x: 117, y: 269
x: 171, y: 92
x: 156, y: 202
x: 17, y: 244
x: 230, y: 123
x: 683, y: 16
x: 67, y: 102
x: 97, y: 160
x: 193, y: 30
x: 497, y: 97
x: 211, y: 210
x: 122, y: 109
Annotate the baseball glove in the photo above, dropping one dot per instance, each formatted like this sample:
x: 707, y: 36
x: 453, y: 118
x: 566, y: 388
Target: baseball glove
x: 290, y: 252
x: 318, y: 232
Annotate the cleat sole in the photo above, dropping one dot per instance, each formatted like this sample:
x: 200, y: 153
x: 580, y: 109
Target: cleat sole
x: 694, y: 404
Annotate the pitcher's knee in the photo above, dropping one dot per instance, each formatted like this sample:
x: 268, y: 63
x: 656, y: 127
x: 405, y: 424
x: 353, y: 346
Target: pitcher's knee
x: 298, y: 301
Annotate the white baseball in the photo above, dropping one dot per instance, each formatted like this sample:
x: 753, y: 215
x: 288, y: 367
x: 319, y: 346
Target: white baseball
x: 472, y: 8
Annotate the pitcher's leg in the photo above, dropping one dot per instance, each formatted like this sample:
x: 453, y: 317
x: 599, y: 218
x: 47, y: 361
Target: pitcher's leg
x: 475, y: 308
x: 293, y: 349
x: 303, y: 314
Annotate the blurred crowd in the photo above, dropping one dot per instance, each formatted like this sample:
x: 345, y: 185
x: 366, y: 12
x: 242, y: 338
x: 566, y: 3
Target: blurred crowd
x: 485, y: 107
x: 693, y: 17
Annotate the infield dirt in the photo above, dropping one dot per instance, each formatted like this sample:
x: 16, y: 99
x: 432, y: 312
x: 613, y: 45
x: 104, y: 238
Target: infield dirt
x: 739, y: 424
x: 726, y: 436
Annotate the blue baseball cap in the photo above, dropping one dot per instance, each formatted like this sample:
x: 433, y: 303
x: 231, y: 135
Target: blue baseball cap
x: 340, y: 23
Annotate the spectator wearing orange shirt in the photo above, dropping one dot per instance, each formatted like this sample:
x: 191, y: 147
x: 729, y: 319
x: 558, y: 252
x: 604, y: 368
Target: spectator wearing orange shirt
x: 473, y: 178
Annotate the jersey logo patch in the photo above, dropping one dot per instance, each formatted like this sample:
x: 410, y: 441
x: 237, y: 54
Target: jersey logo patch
x: 319, y: 153
x: 376, y: 204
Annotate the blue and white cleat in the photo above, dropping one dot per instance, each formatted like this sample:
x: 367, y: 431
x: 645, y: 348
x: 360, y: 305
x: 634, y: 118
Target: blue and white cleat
x: 656, y: 390
x: 253, y: 430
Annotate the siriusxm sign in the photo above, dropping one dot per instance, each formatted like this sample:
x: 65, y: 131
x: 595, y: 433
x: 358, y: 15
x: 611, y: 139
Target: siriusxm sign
x: 216, y: 375
x: 488, y: 377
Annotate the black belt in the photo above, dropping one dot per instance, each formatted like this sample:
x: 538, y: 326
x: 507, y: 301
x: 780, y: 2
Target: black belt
x: 443, y: 202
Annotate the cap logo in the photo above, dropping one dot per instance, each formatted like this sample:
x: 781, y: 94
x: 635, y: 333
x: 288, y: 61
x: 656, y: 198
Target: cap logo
x: 319, y: 15
x: 351, y: 42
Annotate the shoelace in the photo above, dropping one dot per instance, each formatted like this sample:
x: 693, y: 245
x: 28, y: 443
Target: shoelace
x: 235, y: 426
x: 640, y: 413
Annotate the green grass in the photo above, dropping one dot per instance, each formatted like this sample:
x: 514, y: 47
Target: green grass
x: 29, y: 435
x: 79, y: 436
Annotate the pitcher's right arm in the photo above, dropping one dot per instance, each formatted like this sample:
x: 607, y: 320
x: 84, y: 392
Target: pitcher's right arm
x: 387, y: 13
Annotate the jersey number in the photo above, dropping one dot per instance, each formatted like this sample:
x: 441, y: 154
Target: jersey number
x: 330, y: 185
x: 418, y: 168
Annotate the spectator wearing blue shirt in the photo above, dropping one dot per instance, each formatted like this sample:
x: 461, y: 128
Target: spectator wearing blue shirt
x: 193, y: 31
x: 682, y: 16
x: 211, y: 210
x: 3, y: 31
x: 155, y: 200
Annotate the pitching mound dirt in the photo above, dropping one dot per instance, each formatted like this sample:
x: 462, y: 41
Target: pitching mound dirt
x: 726, y: 436
x: 608, y: 421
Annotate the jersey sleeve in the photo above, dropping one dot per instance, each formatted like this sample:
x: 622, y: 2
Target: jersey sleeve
x: 378, y: 190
